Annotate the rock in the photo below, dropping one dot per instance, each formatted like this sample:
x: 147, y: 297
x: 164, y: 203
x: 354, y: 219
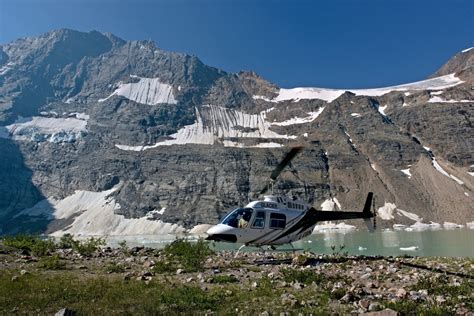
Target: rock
x: 299, y: 260
x: 365, y: 276
x: 149, y: 264
x: 147, y: 274
x: 463, y: 311
x: 254, y: 285
x: 440, y: 299
x: 364, y: 304
x: 385, y: 312
x: 288, y: 299
x: 401, y: 293
x: 423, y: 292
x: 374, y: 306
x: 179, y: 271
x: 347, y: 298
x: 14, y: 278
x: 127, y: 276
x: 298, y: 286
x: 65, y: 312
x: 23, y: 272
x: 189, y: 279
x: 265, y: 313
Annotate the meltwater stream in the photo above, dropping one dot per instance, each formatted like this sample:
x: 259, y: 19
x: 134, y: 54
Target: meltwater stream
x: 444, y: 243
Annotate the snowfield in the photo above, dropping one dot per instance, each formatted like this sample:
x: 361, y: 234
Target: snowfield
x: 298, y: 120
x: 437, y: 99
x: 330, y: 95
x: 146, y: 91
x: 214, y: 124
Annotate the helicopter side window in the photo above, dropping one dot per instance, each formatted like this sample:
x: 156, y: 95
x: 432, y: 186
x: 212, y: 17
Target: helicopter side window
x: 277, y: 221
x: 238, y: 218
x: 259, y: 221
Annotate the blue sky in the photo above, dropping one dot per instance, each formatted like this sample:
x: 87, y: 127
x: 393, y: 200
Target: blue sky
x: 336, y: 44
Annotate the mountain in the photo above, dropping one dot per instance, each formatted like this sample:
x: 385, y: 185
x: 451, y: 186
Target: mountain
x: 99, y: 135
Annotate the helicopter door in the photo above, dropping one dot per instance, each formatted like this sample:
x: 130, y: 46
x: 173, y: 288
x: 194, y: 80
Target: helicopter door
x: 259, y: 220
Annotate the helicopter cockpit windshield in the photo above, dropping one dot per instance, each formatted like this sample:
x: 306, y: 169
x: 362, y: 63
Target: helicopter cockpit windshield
x: 238, y: 218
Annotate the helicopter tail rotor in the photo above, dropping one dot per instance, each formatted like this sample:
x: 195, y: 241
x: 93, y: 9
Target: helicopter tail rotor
x: 368, y: 214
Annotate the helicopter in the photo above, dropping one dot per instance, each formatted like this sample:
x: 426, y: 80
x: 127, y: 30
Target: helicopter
x: 278, y: 220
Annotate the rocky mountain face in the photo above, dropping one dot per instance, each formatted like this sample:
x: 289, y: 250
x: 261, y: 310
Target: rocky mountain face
x: 103, y: 136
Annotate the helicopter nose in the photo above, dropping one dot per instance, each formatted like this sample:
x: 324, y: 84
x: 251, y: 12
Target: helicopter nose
x: 221, y: 232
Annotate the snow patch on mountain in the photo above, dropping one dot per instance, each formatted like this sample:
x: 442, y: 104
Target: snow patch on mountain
x: 467, y: 49
x: 51, y: 129
x: 301, y: 120
x: 409, y: 215
x: 6, y: 68
x: 229, y: 143
x: 330, y: 204
x: 330, y: 95
x: 146, y: 91
x: 450, y: 225
x: 297, y: 94
x: 442, y: 171
x: 332, y: 226
x: 407, y: 172
x: 355, y: 115
x: 386, y: 212
x: 264, y: 98
x: 92, y: 213
x: 437, y: 99
x: 215, y: 124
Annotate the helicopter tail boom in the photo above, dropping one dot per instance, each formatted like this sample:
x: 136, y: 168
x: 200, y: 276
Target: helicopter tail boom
x: 339, y: 215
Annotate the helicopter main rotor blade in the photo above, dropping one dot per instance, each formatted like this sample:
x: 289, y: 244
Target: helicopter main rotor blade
x: 289, y: 156
x: 286, y: 160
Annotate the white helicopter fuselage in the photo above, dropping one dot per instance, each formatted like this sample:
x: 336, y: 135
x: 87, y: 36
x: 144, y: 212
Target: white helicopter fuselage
x: 268, y: 222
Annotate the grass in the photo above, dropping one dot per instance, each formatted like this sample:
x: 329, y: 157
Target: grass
x: 407, y: 307
x: 307, y: 277
x: 99, y: 295
x: 114, y: 268
x: 52, y: 263
x: 47, y: 293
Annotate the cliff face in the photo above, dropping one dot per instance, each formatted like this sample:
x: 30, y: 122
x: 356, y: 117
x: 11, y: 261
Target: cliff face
x: 167, y: 139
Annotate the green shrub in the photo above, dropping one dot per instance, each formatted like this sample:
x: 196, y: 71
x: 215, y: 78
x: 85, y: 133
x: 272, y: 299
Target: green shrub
x: 32, y: 244
x: 66, y: 242
x: 52, y: 263
x: 124, y: 247
x: 88, y: 246
x: 164, y: 267
x: 221, y: 279
x: 191, y: 256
